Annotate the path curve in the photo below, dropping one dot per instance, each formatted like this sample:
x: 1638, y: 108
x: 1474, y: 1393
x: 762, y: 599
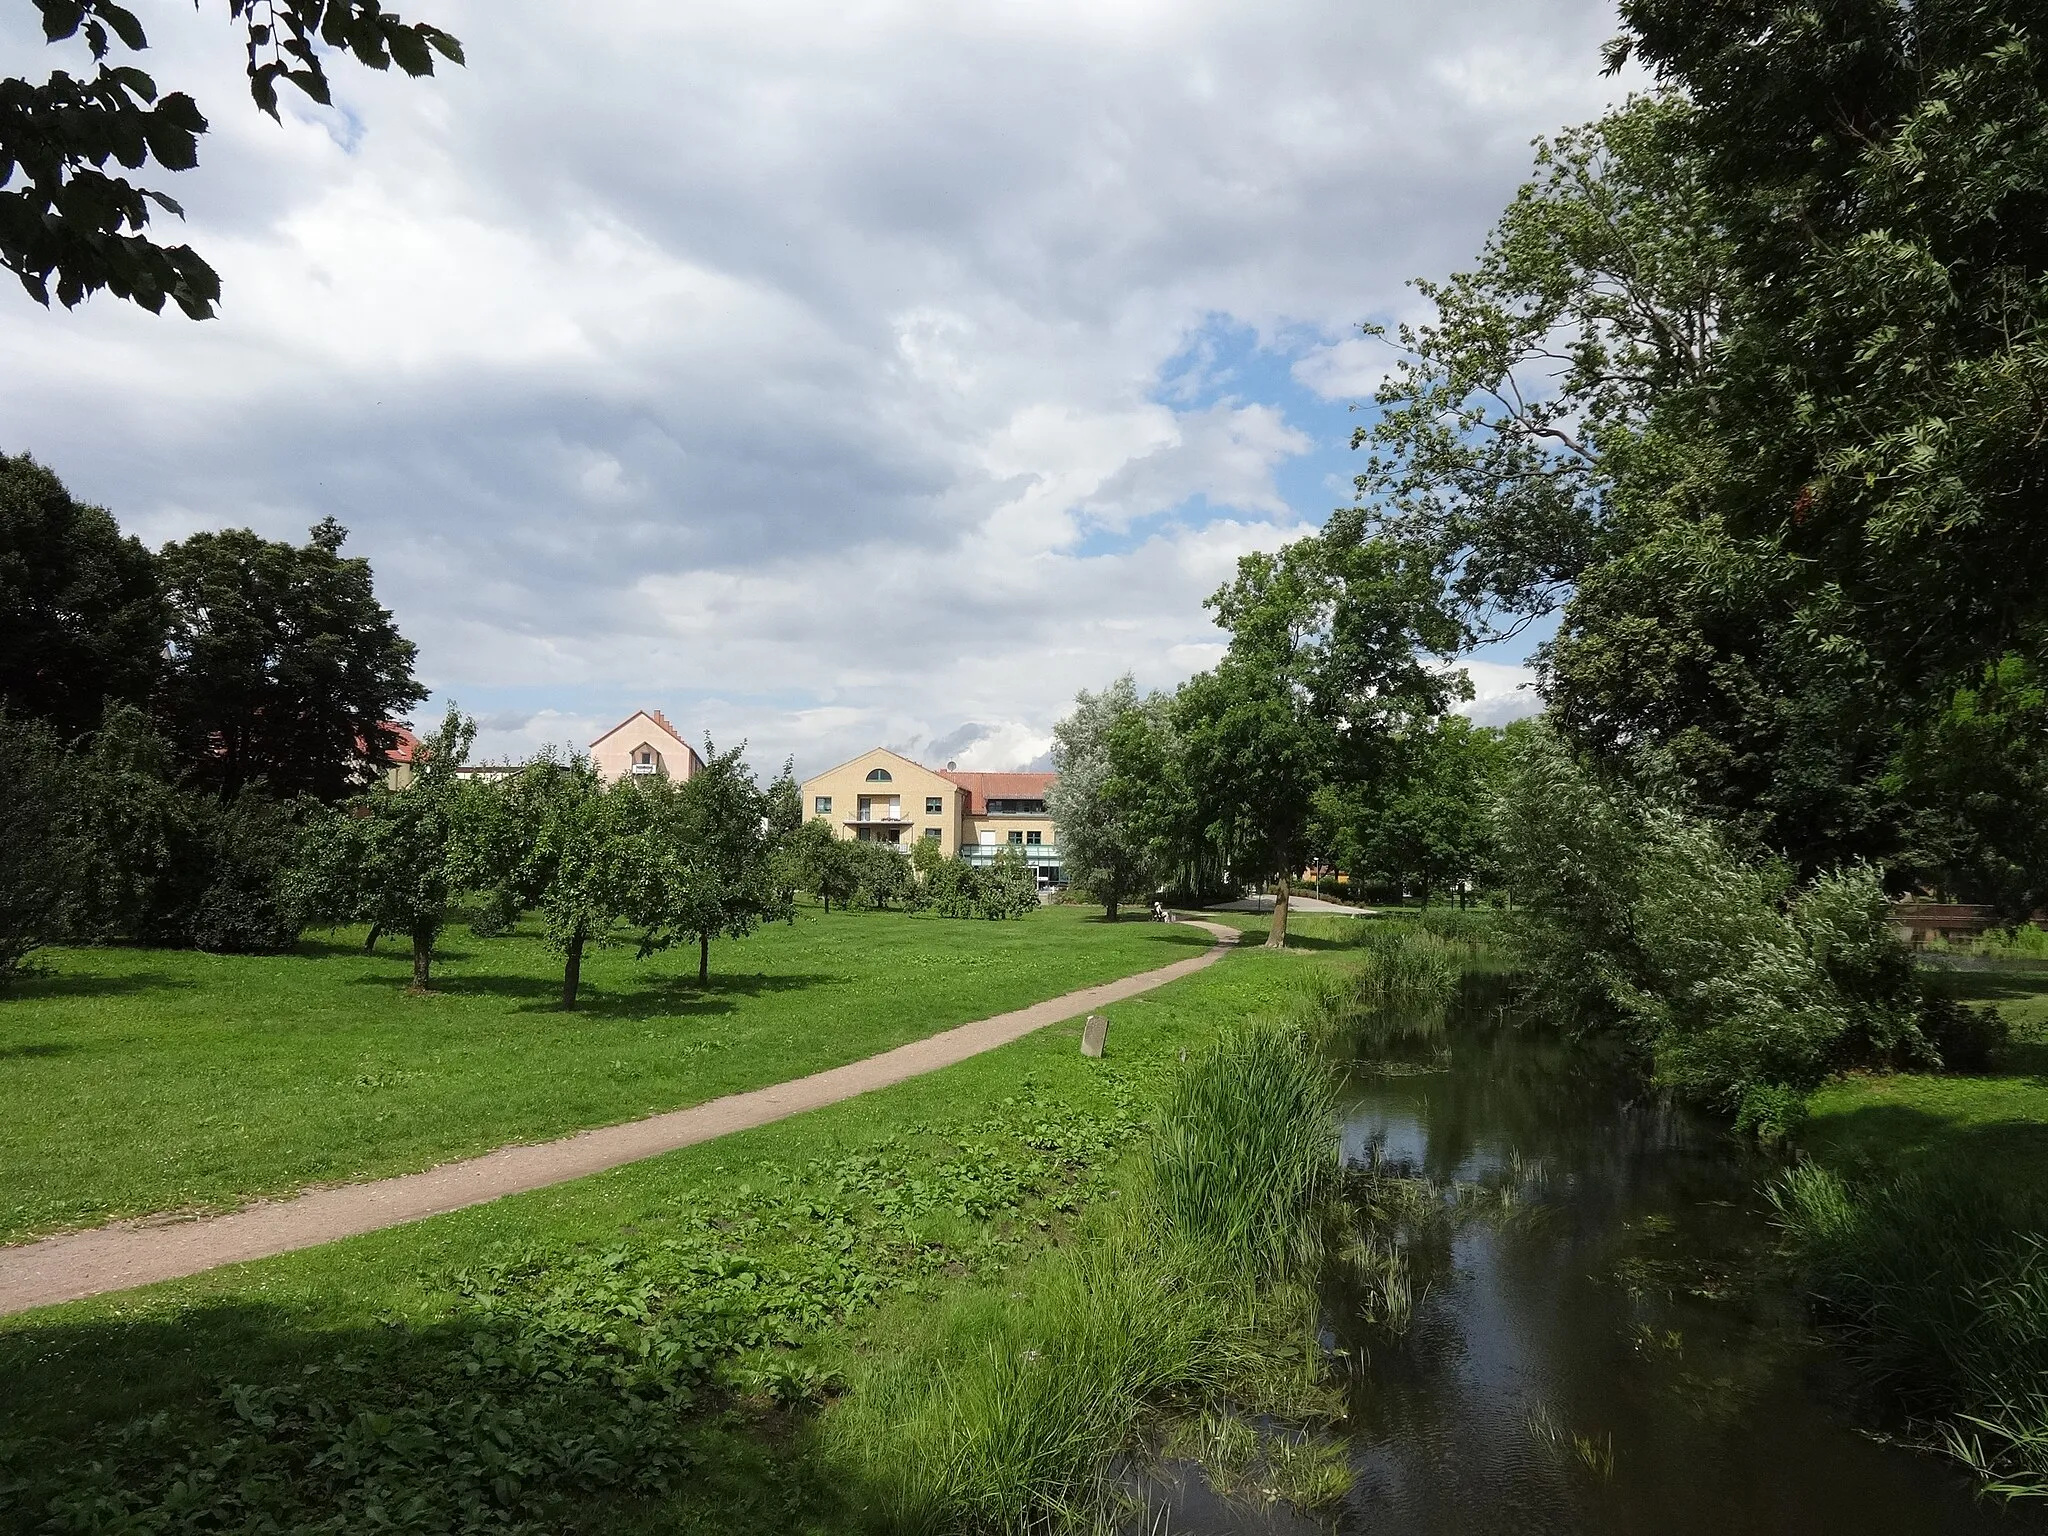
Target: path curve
x: 131, y: 1253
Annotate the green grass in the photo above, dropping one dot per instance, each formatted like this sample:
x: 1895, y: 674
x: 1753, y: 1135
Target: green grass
x: 1920, y: 1223
x: 136, y: 1080
x: 827, y: 1231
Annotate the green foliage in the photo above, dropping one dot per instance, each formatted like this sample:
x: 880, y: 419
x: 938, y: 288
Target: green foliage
x: 875, y: 874
x: 702, y: 864
x: 817, y: 860
x: 560, y: 1375
x: 1328, y: 662
x: 1745, y: 989
x: 1938, y: 1283
x: 1426, y: 825
x: 1245, y: 1151
x: 1110, y: 843
x: 70, y: 220
x: 284, y: 666
x: 176, y: 866
x: 82, y: 619
x: 1004, y: 1412
x: 1007, y: 888
x: 396, y: 858
x: 43, y: 862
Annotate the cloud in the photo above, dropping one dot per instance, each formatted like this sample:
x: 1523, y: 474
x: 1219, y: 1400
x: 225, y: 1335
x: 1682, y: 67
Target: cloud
x: 824, y: 375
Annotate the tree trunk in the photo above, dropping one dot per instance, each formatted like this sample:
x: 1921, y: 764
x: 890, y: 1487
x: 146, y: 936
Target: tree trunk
x: 376, y: 932
x: 1109, y: 909
x: 572, y: 969
x: 703, y: 959
x: 1276, y: 938
x: 422, y: 956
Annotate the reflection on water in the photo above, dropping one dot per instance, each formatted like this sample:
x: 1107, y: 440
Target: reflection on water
x: 1596, y: 1342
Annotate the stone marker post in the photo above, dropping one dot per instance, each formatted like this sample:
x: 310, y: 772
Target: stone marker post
x: 1094, y: 1034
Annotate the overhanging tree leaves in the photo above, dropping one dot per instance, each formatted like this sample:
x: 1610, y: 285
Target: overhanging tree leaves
x: 70, y: 224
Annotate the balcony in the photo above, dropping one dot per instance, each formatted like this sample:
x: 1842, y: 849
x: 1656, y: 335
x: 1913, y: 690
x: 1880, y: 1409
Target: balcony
x: 1034, y: 853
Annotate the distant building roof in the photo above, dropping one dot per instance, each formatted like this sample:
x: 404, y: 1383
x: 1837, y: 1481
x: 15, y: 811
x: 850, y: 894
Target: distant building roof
x: 984, y: 787
x: 405, y: 746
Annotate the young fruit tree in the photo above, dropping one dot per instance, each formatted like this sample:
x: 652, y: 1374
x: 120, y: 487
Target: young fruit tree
x: 701, y: 864
x: 555, y: 842
x: 395, y: 858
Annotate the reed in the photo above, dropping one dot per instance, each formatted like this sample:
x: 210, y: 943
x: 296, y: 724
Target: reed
x: 1939, y: 1286
x: 1003, y: 1412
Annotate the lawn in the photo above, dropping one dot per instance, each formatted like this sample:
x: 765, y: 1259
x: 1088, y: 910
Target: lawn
x: 1996, y: 1121
x: 135, y: 1080
x: 819, y: 1229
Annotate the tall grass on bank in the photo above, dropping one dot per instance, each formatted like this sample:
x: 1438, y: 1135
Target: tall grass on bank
x: 1939, y: 1286
x: 1005, y: 1415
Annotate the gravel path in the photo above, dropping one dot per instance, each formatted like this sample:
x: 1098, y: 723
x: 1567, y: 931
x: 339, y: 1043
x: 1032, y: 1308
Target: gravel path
x: 131, y: 1253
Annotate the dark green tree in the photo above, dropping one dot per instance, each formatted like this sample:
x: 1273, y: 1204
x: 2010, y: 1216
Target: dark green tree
x: 44, y: 863
x: 82, y: 616
x: 284, y: 667
x: 70, y: 223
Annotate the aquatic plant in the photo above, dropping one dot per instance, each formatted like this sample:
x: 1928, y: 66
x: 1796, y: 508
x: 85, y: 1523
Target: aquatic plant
x: 1938, y: 1284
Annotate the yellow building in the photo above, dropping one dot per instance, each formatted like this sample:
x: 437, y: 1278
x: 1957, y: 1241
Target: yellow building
x: 882, y: 796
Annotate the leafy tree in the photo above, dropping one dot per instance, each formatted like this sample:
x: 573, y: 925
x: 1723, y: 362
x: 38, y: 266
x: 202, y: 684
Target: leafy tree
x: 1106, y: 848
x: 880, y: 872
x: 175, y: 866
x: 64, y: 217
x: 1007, y: 888
x: 703, y: 866
x: 1976, y: 775
x: 396, y: 858
x: 1429, y: 824
x: 43, y: 861
x: 821, y: 862
x: 82, y: 617
x: 557, y: 841
x: 1326, y: 664
x: 785, y: 829
x: 284, y: 666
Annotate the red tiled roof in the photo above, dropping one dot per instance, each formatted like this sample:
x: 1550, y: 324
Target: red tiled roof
x: 405, y: 746
x: 984, y: 787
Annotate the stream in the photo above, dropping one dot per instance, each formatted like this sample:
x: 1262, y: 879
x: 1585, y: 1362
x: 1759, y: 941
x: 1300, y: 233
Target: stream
x: 1598, y: 1342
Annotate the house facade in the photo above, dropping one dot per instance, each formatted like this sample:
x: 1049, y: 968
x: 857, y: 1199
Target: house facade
x: 642, y: 745
x: 883, y: 796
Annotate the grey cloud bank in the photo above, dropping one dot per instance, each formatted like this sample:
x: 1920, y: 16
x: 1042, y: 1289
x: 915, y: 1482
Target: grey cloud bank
x: 807, y: 372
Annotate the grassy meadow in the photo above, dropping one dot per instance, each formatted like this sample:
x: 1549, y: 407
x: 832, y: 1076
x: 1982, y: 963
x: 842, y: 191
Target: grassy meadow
x: 788, y: 1260
x: 135, y: 1080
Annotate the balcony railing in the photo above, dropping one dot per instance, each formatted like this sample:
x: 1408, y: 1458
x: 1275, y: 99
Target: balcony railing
x: 1034, y: 853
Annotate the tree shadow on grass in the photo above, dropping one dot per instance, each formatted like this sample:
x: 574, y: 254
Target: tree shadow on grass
x: 138, y: 1394
x: 50, y: 984
x: 38, y: 1049
x: 676, y: 998
x: 1905, y: 1138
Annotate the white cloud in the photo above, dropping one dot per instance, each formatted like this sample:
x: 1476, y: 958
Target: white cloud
x: 842, y: 374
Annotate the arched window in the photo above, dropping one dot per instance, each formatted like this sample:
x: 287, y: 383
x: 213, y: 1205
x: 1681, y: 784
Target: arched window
x: 879, y: 776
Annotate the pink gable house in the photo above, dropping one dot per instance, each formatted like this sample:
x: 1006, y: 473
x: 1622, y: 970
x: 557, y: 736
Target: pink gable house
x: 644, y: 743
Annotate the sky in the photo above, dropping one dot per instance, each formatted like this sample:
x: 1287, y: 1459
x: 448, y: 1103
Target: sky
x: 825, y: 376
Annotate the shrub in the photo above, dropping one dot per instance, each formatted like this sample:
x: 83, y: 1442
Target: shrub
x: 42, y: 859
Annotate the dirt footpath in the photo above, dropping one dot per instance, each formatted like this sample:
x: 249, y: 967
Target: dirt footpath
x: 131, y: 1253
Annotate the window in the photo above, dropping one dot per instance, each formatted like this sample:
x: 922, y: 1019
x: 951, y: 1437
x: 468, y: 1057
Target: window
x: 934, y: 805
x: 1033, y: 838
x: 879, y: 776
x: 1016, y: 839
x: 822, y: 806
x: 1016, y: 807
x: 931, y: 834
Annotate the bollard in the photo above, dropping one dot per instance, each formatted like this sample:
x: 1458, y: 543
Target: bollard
x: 1094, y: 1034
